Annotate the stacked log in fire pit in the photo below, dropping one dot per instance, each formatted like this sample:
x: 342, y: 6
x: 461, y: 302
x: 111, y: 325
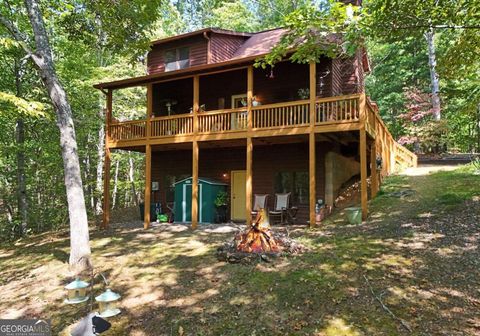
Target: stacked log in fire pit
x: 258, y: 242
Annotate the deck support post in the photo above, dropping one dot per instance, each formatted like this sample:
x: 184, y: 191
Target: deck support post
x: 106, y: 164
x: 248, y: 180
x: 311, y: 178
x: 373, y: 169
x: 194, y: 184
x: 106, y: 188
x: 311, y: 144
x: 148, y: 186
x: 195, y: 151
x: 248, y: 205
x: 363, y: 173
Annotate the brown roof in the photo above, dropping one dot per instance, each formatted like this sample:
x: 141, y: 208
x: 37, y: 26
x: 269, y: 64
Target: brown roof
x: 199, y: 32
x: 260, y: 43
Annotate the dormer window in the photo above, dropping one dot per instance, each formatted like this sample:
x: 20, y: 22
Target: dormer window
x: 176, y: 59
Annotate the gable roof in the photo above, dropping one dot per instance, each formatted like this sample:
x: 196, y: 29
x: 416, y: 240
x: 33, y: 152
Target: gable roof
x: 200, y: 32
x: 260, y: 43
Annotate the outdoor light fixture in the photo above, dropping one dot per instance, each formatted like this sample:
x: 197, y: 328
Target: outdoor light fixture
x: 76, y: 291
x: 107, y: 302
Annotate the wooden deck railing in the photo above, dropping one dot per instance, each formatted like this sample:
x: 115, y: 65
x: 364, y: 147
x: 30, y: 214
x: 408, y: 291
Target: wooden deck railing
x: 128, y: 130
x: 355, y: 110
x: 337, y: 109
x: 222, y: 120
x: 281, y: 115
x: 404, y: 157
x: 173, y: 125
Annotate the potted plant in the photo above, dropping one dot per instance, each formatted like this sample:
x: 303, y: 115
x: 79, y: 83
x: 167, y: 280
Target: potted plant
x: 221, y: 203
x: 303, y: 93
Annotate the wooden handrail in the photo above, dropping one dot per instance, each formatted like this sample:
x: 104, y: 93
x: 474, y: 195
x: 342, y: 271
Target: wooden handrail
x: 275, y: 105
x: 212, y: 112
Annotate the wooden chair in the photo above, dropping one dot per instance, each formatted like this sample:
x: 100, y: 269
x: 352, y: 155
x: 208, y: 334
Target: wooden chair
x: 260, y: 201
x: 282, y: 204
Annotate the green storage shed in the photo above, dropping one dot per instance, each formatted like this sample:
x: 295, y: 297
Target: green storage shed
x: 207, y: 192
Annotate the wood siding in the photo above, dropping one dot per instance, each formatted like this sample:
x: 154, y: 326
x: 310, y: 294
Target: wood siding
x: 198, y: 53
x: 324, y: 77
x: 267, y: 161
x: 348, y: 75
x: 223, y: 47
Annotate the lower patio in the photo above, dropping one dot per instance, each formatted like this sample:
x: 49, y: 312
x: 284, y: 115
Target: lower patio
x: 279, y: 165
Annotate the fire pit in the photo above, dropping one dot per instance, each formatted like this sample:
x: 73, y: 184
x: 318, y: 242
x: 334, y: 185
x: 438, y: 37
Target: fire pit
x: 258, y: 242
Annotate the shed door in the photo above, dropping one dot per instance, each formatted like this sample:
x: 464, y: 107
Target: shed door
x: 187, y: 203
x: 238, y: 194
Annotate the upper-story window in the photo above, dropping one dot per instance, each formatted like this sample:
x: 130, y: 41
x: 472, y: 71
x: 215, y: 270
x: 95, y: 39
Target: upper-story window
x: 176, y: 59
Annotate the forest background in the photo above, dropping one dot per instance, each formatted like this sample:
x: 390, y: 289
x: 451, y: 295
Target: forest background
x: 95, y: 41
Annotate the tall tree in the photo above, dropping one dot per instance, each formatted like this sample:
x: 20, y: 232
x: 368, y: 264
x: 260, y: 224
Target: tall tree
x: 42, y: 57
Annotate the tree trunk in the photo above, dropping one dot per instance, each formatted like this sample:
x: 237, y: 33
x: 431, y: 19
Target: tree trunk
x: 79, y: 236
x: 132, y: 181
x: 22, y: 204
x: 21, y: 184
x: 115, y: 184
x: 100, y: 162
x: 434, y: 78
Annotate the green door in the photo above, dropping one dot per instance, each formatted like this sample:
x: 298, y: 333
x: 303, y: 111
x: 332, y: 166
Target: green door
x: 187, y: 203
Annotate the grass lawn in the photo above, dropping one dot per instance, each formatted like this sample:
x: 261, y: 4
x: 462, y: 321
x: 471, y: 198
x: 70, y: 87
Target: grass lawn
x: 420, y: 254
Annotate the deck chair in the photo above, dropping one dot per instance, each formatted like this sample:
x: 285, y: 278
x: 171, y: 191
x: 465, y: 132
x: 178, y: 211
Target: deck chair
x: 259, y: 202
x: 282, y: 203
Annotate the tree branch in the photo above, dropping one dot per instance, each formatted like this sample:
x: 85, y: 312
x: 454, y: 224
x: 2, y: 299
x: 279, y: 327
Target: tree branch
x: 379, y: 299
x: 437, y: 27
x: 17, y: 34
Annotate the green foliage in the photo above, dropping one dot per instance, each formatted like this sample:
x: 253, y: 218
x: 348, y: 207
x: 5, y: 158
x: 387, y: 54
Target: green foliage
x: 234, y: 16
x: 221, y: 199
x: 314, y: 32
x: 13, y: 105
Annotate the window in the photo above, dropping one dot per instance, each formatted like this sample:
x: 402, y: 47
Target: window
x: 294, y: 182
x: 176, y: 59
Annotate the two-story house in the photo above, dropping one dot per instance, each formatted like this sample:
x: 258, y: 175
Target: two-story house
x: 299, y: 128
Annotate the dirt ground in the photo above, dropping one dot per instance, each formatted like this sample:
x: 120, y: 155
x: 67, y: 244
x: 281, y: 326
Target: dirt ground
x: 411, y: 269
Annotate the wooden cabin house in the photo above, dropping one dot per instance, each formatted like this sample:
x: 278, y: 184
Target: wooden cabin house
x: 210, y: 113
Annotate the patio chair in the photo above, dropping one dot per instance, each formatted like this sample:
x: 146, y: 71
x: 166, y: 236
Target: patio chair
x: 259, y: 202
x: 282, y: 204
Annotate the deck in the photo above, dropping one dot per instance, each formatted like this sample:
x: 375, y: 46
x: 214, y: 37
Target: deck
x: 289, y: 118
x: 333, y: 114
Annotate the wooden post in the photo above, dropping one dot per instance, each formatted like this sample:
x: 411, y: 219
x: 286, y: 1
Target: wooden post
x: 373, y: 169
x: 148, y: 132
x: 249, y: 164
x: 248, y: 205
x: 311, y: 178
x: 148, y: 185
x: 195, y: 150
x: 363, y: 172
x: 311, y: 145
x: 106, y: 165
x: 196, y: 106
x: 313, y: 89
x: 249, y: 97
x: 194, y: 184
x: 106, y: 188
